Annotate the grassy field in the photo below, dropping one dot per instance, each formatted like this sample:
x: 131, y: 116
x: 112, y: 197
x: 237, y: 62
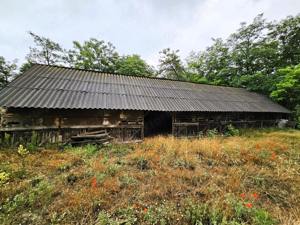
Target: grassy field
x: 253, y: 178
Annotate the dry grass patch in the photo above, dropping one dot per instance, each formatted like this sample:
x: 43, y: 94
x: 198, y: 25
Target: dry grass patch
x: 249, y: 179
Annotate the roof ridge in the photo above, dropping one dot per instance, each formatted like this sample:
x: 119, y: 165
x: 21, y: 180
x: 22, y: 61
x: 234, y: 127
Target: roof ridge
x: 139, y: 95
x: 143, y: 76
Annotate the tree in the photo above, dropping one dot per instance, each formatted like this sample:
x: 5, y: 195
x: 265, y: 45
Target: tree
x: 212, y: 63
x: 170, y: 65
x: 287, y: 34
x: 45, y: 51
x: 134, y: 65
x: 24, y: 67
x: 287, y: 91
x: 94, y: 54
x: 7, y: 71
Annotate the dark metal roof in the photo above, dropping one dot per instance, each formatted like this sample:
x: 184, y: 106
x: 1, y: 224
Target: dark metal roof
x: 54, y: 87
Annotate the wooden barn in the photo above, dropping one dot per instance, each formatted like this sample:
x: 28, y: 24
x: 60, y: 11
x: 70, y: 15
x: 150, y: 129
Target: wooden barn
x: 57, y: 102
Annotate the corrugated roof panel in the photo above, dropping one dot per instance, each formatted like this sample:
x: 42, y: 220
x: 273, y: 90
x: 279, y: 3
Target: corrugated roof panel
x: 65, y: 88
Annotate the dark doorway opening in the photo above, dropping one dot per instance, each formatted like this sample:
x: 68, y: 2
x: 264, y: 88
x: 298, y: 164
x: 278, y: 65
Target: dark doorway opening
x: 156, y: 123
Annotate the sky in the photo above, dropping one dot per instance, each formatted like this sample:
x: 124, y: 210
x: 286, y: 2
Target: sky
x: 142, y: 27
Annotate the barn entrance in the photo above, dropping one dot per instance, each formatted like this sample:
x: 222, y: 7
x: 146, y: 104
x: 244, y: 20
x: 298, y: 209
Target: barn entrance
x: 156, y: 123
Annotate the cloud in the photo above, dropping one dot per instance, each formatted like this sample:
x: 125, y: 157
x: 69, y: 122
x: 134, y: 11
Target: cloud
x: 133, y: 26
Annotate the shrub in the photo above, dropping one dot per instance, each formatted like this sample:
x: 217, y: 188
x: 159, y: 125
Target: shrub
x: 91, y: 150
x: 22, y: 151
x: 118, y: 150
x: 4, y: 178
x: 203, y: 214
x: 212, y: 132
x: 112, y: 169
x: 122, y: 216
x: 162, y: 214
x: 32, y: 146
x: 105, y: 219
x: 39, y: 196
x: 231, y: 131
x: 184, y: 164
x: 246, y: 211
x: 7, y: 140
x: 142, y: 163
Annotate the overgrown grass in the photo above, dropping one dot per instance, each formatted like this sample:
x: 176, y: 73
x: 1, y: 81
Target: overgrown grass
x: 252, y: 178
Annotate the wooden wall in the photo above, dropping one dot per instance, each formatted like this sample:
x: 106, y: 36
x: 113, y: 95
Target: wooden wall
x: 192, y: 123
x: 59, y: 125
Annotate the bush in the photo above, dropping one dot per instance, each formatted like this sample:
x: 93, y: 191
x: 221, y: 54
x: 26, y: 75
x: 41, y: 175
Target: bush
x: 7, y: 141
x: 122, y: 216
x: 212, y: 132
x: 31, y: 198
x: 118, y: 150
x: 32, y: 146
x: 163, y: 214
x: 231, y: 131
x: 184, y: 164
x: 203, y: 214
x: 112, y: 169
x: 142, y: 163
x: 91, y: 150
x: 4, y: 178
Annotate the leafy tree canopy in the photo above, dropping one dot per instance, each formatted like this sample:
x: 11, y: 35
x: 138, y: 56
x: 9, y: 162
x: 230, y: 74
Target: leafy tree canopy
x: 134, y: 65
x: 45, y: 51
x: 7, y: 71
x: 287, y: 91
x: 94, y: 54
x: 170, y: 65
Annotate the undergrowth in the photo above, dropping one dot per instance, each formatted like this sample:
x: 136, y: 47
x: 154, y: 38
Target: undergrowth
x: 252, y: 178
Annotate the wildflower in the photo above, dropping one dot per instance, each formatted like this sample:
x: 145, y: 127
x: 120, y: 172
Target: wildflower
x: 273, y: 156
x: 248, y: 205
x: 145, y: 210
x: 255, y: 195
x: 243, y: 195
x: 94, y: 182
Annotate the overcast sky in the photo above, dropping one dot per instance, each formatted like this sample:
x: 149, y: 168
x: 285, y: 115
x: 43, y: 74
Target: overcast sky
x: 143, y: 27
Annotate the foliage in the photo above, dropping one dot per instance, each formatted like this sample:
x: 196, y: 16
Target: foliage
x: 162, y: 214
x: 32, y: 198
x: 135, y: 66
x: 123, y: 216
x: 33, y: 144
x: 212, y: 132
x: 142, y: 163
x: 24, y: 67
x: 250, y: 56
x: 4, y: 178
x: 203, y: 214
x: 297, y: 115
x: 7, y: 140
x: 45, y: 51
x: 22, y: 151
x: 170, y: 65
x: 232, y: 131
x: 7, y: 71
x: 95, y: 55
x: 287, y: 35
x: 287, y: 91
x: 229, y: 181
